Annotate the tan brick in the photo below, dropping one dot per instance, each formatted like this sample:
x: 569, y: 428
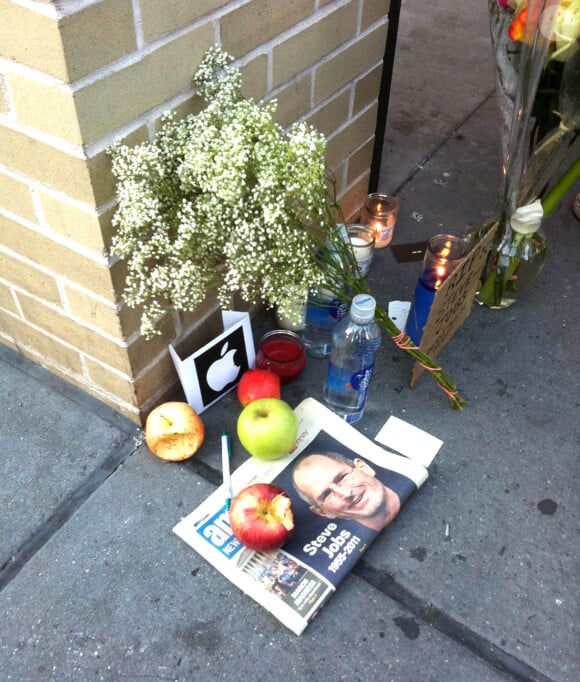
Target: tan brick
x: 118, y: 99
x: 255, y: 78
x: 29, y: 278
x: 15, y: 197
x: 374, y: 10
x: 163, y: 16
x: 27, y: 339
x: 121, y: 387
x: 313, y: 43
x: 48, y: 108
x: 352, y: 198
x: 367, y: 89
x: 46, y: 164
x: 258, y: 21
x: 359, y: 163
x: 106, y: 28
x: 142, y: 351
x: 356, y: 134
x: 107, y: 229
x: 293, y: 101
x: 57, y: 258
x: 127, y: 410
x: 345, y: 66
x: 94, y: 311
x: 9, y: 343
x: 121, y: 322
x: 75, y: 334
x: 332, y: 115
x: 6, y: 297
x: 70, y: 221
x: 137, y: 417
x: 4, y: 108
x: 160, y: 375
x: 31, y: 39
x: 99, y: 167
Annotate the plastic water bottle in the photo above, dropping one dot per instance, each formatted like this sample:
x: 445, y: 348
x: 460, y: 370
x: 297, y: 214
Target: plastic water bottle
x: 323, y: 312
x: 355, y: 342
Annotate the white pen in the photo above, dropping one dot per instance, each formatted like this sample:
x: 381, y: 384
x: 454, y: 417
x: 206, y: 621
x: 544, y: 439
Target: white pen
x: 226, y: 455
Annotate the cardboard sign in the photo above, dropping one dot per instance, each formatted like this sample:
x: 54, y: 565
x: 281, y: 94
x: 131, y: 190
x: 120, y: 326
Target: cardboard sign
x: 453, y: 301
x: 215, y: 369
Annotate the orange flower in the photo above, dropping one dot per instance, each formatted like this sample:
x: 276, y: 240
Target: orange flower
x: 517, y: 28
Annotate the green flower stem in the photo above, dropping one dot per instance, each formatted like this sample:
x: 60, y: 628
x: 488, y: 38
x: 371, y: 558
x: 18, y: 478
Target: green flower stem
x: 555, y: 195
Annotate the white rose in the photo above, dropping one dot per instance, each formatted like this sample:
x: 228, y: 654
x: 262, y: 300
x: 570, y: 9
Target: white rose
x: 527, y: 219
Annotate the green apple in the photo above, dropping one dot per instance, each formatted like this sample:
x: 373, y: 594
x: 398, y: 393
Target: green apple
x: 267, y: 428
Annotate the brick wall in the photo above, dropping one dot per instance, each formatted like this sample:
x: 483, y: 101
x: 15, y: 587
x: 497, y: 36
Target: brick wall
x: 75, y: 76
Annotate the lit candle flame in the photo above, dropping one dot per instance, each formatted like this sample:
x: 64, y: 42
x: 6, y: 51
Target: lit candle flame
x: 446, y: 250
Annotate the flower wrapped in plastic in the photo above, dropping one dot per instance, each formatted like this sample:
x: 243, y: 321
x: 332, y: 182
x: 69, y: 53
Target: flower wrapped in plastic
x: 537, y: 48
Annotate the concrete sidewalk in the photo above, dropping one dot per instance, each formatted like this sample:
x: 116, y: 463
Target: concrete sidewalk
x: 94, y: 585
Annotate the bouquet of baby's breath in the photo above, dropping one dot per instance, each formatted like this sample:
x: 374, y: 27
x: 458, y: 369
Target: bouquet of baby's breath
x: 225, y: 199
x: 219, y: 199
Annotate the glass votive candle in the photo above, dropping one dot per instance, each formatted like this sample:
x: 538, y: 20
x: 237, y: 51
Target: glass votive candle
x: 282, y: 351
x: 379, y: 212
x: 443, y: 254
x: 362, y: 239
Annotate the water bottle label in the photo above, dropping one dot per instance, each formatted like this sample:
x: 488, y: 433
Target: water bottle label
x: 361, y: 380
x: 326, y: 312
x: 340, y: 381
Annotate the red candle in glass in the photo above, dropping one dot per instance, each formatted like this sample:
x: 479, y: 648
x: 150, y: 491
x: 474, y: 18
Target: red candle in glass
x: 282, y: 352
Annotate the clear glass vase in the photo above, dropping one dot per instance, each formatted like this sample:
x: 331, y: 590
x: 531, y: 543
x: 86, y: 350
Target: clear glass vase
x: 513, y: 265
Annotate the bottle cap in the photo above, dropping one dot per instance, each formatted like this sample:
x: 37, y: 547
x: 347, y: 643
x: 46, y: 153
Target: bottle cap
x: 362, y: 309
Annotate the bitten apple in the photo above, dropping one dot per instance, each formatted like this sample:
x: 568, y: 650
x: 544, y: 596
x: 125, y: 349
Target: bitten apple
x: 267, y: 428
x: 174, y: 431
x: 256, y: 384
x: 261, y: 517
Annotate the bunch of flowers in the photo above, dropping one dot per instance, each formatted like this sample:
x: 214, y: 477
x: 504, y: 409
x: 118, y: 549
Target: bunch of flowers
x: 225, y: 199
x: 538, y: 63
x: 219, y: 199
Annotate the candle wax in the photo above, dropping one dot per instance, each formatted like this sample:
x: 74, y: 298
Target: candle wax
x: 283, y: 357
x: 362, y: 249
x: 422, y: 302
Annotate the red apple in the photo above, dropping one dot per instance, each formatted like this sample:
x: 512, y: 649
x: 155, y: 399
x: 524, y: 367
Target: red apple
x: 174, y: 431
x: 261, y: 517
x: 256, y: 384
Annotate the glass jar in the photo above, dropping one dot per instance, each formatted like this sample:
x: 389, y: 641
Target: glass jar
x: 443, y: 254
x: 362, y: 239
x: 379, y: 212
x: 512, y: 268
x: 281, y: 351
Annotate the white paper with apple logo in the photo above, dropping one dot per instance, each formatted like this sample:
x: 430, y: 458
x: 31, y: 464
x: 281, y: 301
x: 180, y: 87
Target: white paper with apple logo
x: 214, y: 370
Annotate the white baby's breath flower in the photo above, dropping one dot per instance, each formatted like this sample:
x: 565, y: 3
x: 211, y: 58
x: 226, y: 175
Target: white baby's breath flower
x: 222, y: 198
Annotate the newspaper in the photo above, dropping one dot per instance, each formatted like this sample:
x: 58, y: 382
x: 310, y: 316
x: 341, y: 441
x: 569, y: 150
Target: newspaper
x: 341, y: 510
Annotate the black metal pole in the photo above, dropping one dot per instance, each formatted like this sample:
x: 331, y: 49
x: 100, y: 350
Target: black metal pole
x: 384, y: 93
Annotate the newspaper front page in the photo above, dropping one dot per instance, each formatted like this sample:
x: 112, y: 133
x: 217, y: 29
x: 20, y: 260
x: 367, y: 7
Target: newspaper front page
x: 330, y: 534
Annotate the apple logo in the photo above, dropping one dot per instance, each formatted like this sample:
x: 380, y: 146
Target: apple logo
x: 223, y: 371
